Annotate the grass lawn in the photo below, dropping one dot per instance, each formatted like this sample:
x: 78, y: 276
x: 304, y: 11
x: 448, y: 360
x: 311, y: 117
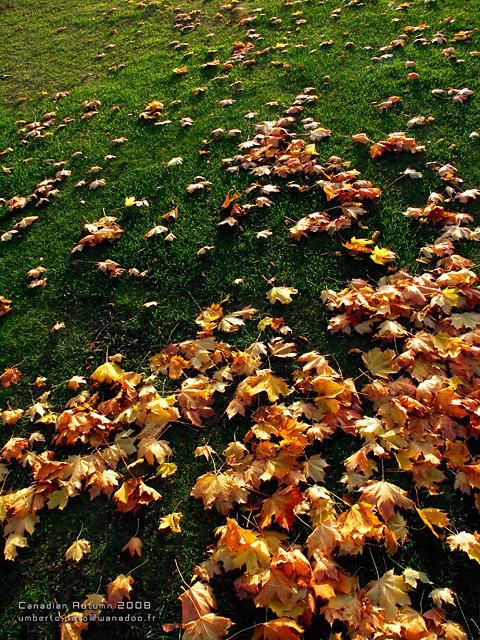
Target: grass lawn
x: 123, y: 54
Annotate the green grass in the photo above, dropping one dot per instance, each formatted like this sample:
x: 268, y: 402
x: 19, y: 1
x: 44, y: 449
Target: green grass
x: 102, y: 315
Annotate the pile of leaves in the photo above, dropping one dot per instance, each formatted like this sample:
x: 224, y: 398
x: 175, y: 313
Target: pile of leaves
x: 279, y: 151
x: 285, y: 532
x: 48, y: 188
x: 103, y: 229
x: 296, y: 532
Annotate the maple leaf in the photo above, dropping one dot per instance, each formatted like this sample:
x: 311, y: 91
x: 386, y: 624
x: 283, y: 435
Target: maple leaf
x: 220, y: 490
x: 171, y: 522
x: 208, y: 319
x: 133, y: 494
x: 106, y: 228
x: 281, y: 507
x: 207, y: 627
x: 382, y: 256
x: 94, y: 603
x: 385, y: 496
x: 155, y: 231
x: 358, y: 245
x: 389, y: 592
x: 395, y: 143
x: 453, y: 631
x: 467, y: 542
x: 110, y: 267
x: 361, y: 138
x: 134, y: 546
x: 278, y: 629
x: 166, y: 469
x: 315, y: 468
x: 281, y: 294
x: 153, y: 110
x: 272, y: 385
x: 198, y: 186
x: 197, y: 601
x: 10, y: 417
x: 232, y: 321
x: 442, y: 596
x: 10, y: 376
x: 14, y: 449
x: 238, y: 547
x: 8, y: 235
x: 14, y: 541
x: 412, y: 576
x: 412, y: 623
x: 434, y: 518
x: 205, y: 450
x: 107, y: 372
x: 5, y: 306
x: 77, y: 550
x: 95, y: 184
x: 324, y: 538
x: 283, y: 585
x: 356, y: 524
x: 58, y: 499
x: 265, y: 233
x: 119, y: 589
x: 72, y: 626
x: 153, y: 450
x: 467, y: 320
x: 381, y: 363
x: 75, y: 381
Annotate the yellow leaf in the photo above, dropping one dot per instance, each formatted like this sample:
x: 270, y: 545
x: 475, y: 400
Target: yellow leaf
x: 166, y: 469
x: 281, y: 294
x: 434, y: 517
x: 10, y: 417
x: 388, y: 592
x: 220, y: 490
x: 107, y: 372
x: 272, y: 385
x: 58, y: 499
x: 264, y: 323
x: 451, y: 296
x: 412, y: 576
x: 453, y: 631
x: 13, y: 541
x: 361, y: 138
x: 442, y: 596
x: 380, y: 363
x: 171, y: 522
x: 467, y: 542
x: 77, y: 550
x: 72, y: 626
x: 358, y: 245
x: 382, y: 256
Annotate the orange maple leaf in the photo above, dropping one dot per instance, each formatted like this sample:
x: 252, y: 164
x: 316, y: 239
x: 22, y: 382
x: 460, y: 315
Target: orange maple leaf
x: 385, y: 496
x: 119, y: 589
